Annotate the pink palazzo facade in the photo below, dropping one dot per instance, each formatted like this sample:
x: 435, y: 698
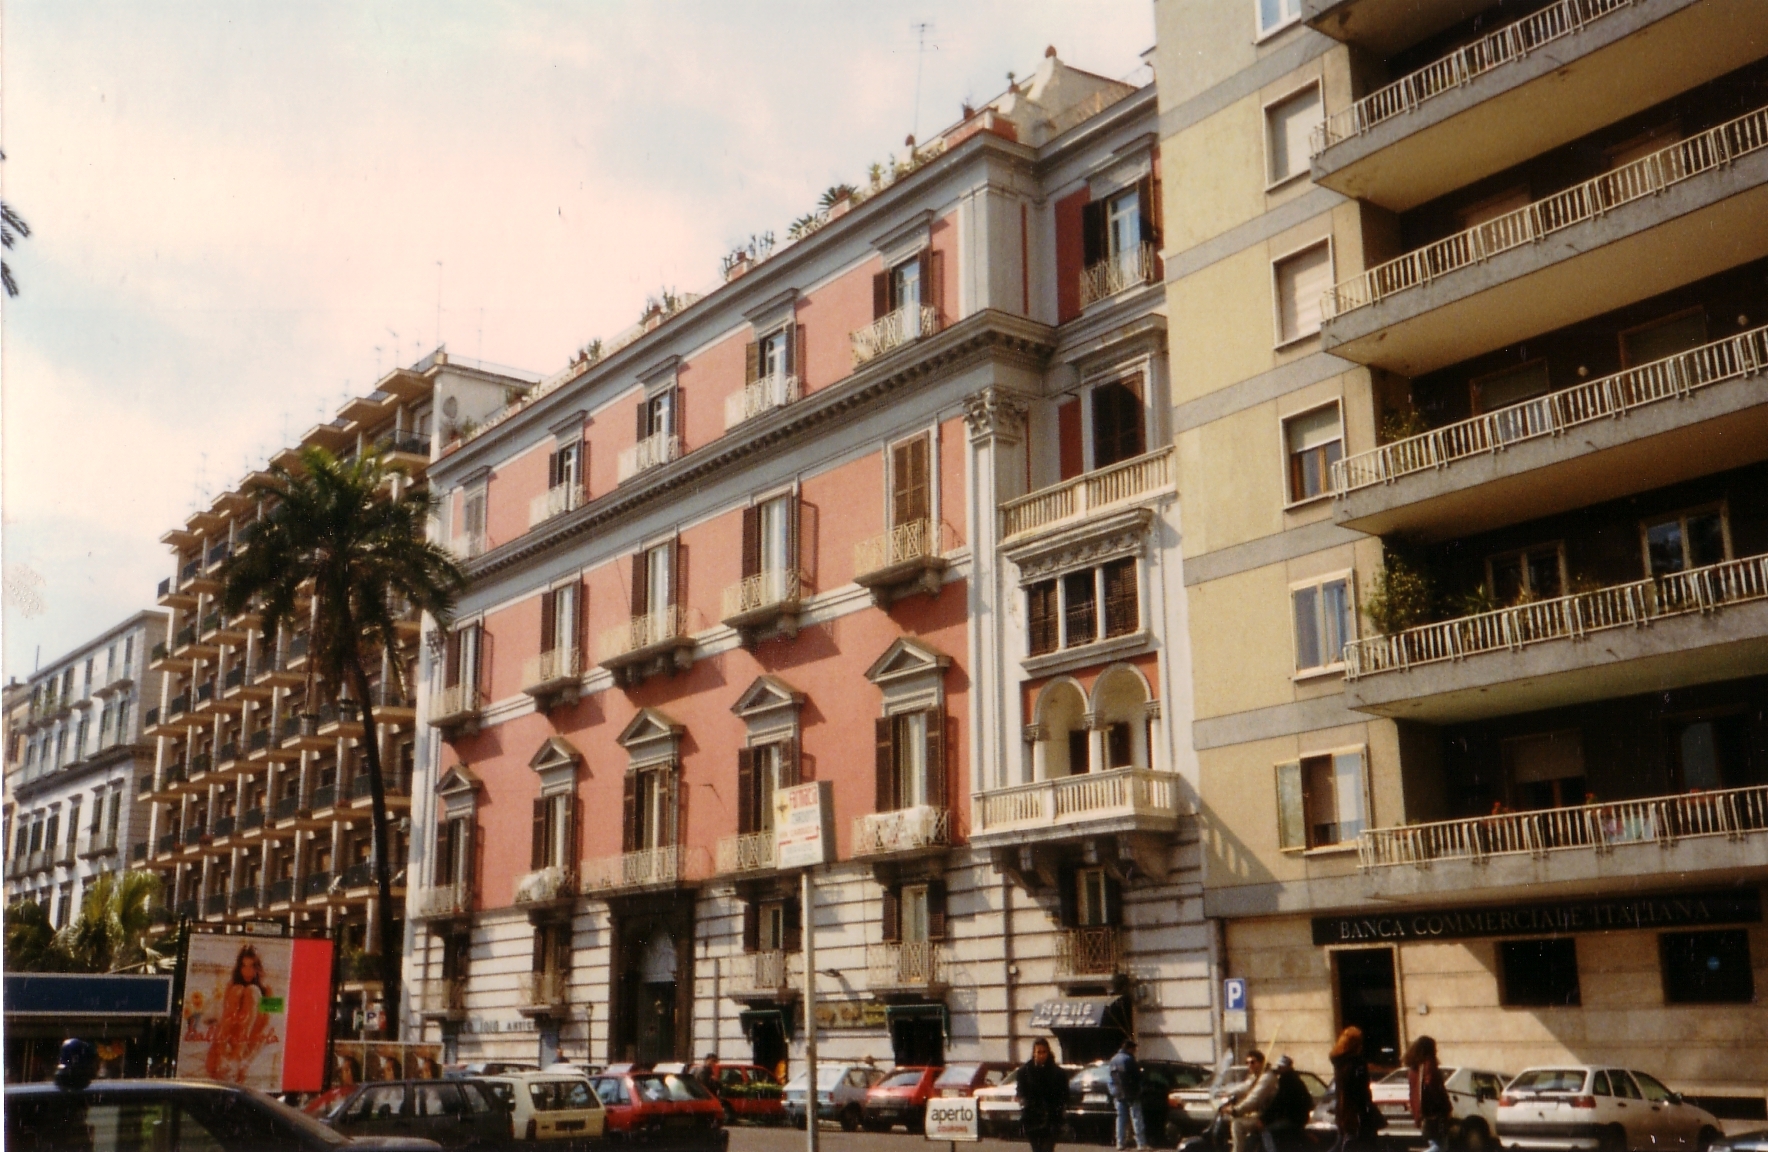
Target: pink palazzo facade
x: 892, y: 508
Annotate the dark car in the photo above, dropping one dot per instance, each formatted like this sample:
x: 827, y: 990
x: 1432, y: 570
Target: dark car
x: 899, y: 1098
x: 148, y: 1115
x: 1092, y: 1114
x: 660, y: 1107
x: 453, y: 1113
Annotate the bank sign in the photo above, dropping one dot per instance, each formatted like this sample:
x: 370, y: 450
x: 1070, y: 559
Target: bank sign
x: 1622, y: 914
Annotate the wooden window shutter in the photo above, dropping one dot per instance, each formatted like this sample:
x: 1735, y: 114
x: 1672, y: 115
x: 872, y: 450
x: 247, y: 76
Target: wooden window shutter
x: 1095, y: 245
x: 629, y: 833
x: 670, y: 793
x: 936, y: 909
x: 1113, y: 901
x: 789, y: 766
x: 542, y: 950
x: 751, y: 541
x: 644, y: 417
x: 794, y: 513
x: 746, y: 812
x: 1120, y: 597
x: 892, y: 917
x: 1291, y: 808
x: 549, y: 622
x: 881, y: 294
x: 573, y: 830
x: 910, y: 497
x: 475, y: 656
x: 885, y: 730
x: 792, y: 930
x: 1040, y: 601
x: 751, y: 362
x: 445, y: 849
x: 468, y: 845
x: 553, y: 462
x: 1148, y: 210
x: 796, y: 353
x: 451, y: 661
x: 1068, y: 898
x: 641, y: 586
x: 1070, y: 459
x: 751, y: 927
x: 936, y: 758
x: 676, y: 566
x: 933, y: 281
x: 537, y: 852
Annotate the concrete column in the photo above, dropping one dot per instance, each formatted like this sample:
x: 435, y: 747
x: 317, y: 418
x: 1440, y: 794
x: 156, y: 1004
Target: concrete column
x: 996, y: 417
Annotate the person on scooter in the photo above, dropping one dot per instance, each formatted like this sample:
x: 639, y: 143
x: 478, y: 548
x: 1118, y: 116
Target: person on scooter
x: 1245, y: 1107
x: 1286, y: 1116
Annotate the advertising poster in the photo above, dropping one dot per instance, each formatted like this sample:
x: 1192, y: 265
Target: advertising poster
x: 255, y: 1011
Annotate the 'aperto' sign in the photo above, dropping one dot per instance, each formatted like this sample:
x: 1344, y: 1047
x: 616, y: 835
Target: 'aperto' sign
x: 1682, y: 910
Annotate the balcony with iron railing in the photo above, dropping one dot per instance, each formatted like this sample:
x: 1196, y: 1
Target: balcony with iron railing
x: 553, y: 676
x: 655, y: 642
x: 455, y: 706
x: 1084, y: 804
x: 1600, y: 846
x: 1698, y: 625
x: 1089, y: 955
x: 412, y: 444
x: 917, y: 966
x: 279, y: 892
x: 171, y: 594
x: 223, y: 826
x: 1121, y: 485
x: 893, y: 330
x: 1666, y: 219
x: 653, y: 451
x: 316, y: 884
x: 448, y: 902
x: 98, y: 843
x: 543, y: 993
x: 443, y: 998
x: 1523, y: 89
x: 632, y: 871
x: 1131, y: 268
x: 253, y: 818
x: 766, y: 600
x: 215, y: 906
x: 324, y: 796
x: 245, y: 899
x: 758, y: 397
x: 904, y: 832
x: 906, y: 559
x: 747, y: 852
x: 555, y: 501
x: 770, y: 974
x: 545, y: 888
x: 286, y: 808
x: 357, y: 877
x: 1671, y: 418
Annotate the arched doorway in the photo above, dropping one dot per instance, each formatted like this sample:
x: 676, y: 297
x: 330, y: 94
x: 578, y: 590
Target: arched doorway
x: 651, y: 995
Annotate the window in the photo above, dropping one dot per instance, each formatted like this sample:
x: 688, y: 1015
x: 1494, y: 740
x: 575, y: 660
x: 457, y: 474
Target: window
x: 1123, y: 224
x: 905, y: 285
x: 1122, y: 615
x: 910, y: 760
x: 762, y: 771
x: 1663, y: 338
x: 1315, y: 442
x: 1707, y: 967
x: 911, y: 496
x: 650, y: 809
x: 454, y: 849
x: 1531, y: 574
x: 1079, y: 608
x: 1691, y: 539
x: 558, y: 619
x: 1041, y: 607
x: 1118, y: 425
x: 1274, y: 14
x: 914, y: 913
x: 1301, y: 280
x: 128, y: 651
x: 460, y: 658
x: 562, y: 467
x: 774, y: 354
x: 1118, y: 235
x: 1497, y: 390
x: 555, y: 832
x: 552, y: 947
x: 654, y: 586
x: 1540, y: 973
x: 909, y: 286
x: 1065, y: 612
x: 1321, y: 800
x: 772, y: 926
x: 1090, y: 900
x: 770, y: 546
x: 656, y: 415
x: 1288, y: 125
x: 1546, y: 770
x: 1491, y: 207
x: 1710, y: 753
x: 473, y: 514
x: 1323, y: 623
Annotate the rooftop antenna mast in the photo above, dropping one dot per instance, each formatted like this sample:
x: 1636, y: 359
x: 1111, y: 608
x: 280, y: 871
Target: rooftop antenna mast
x: 920, y: 31
x: 438, y: 343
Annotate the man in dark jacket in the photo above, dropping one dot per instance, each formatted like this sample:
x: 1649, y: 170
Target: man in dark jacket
x: 1286, y: 1116
x: 1042, y: 1088
x: 1126, y: 1094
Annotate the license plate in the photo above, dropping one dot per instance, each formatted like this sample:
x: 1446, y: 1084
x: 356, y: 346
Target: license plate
x: 572, y: 1125
x: 1395, y: 1110
x: 680, y: 1121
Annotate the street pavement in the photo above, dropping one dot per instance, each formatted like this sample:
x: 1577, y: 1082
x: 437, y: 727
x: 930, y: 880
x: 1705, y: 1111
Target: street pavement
x: 832, y: 1139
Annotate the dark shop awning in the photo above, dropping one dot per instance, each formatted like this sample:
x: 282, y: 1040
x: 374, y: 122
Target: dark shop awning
x: 1082, y: 1012
x: 45, y: 994
x: 764, y: 1016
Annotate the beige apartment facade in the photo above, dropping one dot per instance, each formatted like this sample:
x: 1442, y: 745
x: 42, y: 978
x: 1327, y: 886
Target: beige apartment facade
x: 1466, y: 310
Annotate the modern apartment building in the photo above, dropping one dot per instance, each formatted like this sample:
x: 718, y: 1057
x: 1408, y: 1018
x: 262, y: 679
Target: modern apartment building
x: 892, y: 509
x: 1468, y: 308
x: 259, y: 796
x: 74, y: 749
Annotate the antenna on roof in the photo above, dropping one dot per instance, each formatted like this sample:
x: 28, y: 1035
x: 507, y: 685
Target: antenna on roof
x: 920, y: 31
x: 438, y: 303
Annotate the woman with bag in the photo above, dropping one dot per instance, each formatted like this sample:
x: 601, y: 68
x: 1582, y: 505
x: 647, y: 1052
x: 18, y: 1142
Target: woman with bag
x: 1427, y: 1094
x: 1357, y: 1119
x: 1042, y: 1088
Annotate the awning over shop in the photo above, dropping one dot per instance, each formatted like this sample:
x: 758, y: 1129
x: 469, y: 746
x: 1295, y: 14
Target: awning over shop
x: 939, y: 1012
x: 72, y: 994
x: 1082, y: 1012
x: 777, y: 1017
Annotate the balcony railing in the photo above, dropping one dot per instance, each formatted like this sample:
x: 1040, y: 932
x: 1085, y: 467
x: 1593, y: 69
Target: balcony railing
x: 1564, y: 618
x: 190, y: 569
x: 1511, y: 42
x: 1088, y: 494
x: 443, y: 996
x: 560, y: 664
x: 651, y: 452
x: 765, y: 973
x: 453, y: 703
x: 542, y: 989
x: 280, y: 891
x: 253, y: 818
x: 1089, y: 952
x: 179, y: 706
x: 760, y: 591
x: 764, y: 395
x: 1672, y: 378
x: 245, y: 899
x: 215, y: 905
x: 166, y: 842
x: 223, y: 826
x: 228, y: 752
x: 316, y: 884
x: 1663, y: 820
x: 468, y: 547
x: 642, y: 632
x: 217, y: 554
x: 325, y: 796
x: 358, y: 875
x: 404, y: 443
x: 545, y: 886
x: 1643, y: 178
x: 1126, y: 270
x: 745, y: 853
x: 1075, y: 799
x: 555, y: 501
x: 908, y: 965
x: 195, y: 834
x: 287, y: 808
x: 632, y: 870
x: 98, y: 844
x: 443, y: 903
x: 905, y: 830
x: 892, y: 330
x: 904, y: 544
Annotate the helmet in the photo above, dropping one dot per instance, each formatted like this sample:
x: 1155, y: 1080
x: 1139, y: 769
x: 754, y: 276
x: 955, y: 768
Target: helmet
x: 76, y: 1065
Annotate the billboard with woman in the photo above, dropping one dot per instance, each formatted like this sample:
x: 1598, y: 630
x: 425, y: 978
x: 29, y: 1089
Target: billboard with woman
x: 255, y: 1011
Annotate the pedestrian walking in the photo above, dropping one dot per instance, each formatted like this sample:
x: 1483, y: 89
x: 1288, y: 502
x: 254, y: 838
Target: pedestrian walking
x: 1042, y: 1088
x: 1126, y: 1094
x: 1427, y: 1094
x: 1357, y: 1119
x: 1246, y: 1106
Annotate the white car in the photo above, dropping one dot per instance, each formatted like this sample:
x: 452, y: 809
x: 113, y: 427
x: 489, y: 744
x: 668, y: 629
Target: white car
x: 1609, y: 1109
x: 1473, y: 1096
x: 997, y: 1106
x: 840, y: 1092
x: 557, y: 1104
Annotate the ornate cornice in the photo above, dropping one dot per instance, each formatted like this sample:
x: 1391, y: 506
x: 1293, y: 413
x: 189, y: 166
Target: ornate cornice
x: 1085, y: 544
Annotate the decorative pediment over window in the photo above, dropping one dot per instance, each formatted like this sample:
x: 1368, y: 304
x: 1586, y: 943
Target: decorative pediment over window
x: 556, y: 762
x: 651, y: 738
x: 769, y: 707
x: 911, y: 676
x: 458, y: 789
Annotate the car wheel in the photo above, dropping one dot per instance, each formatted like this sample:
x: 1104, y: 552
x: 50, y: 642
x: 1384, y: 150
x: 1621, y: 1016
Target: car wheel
x: 850, y: 1118
x: 1613, y: 1139
x: 1474, y: 1137
x: 1707, y: 1138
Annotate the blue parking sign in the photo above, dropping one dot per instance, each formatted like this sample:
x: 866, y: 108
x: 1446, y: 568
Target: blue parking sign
x: 1234, y: 995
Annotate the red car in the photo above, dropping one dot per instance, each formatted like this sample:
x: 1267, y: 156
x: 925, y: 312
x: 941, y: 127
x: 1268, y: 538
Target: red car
x: 747, y: 1091
x: 899, y: 1098
x: 964, y: 1077
x: 643, y: 1104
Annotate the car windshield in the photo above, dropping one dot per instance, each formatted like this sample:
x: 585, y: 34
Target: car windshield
x: 1316, y: 1086
x: 1230, y: 1077
x: 298, y: 1120
x: 957, y: 1075
x: 1549, y: 1080
x: 827, y: 1079
x: 902, y: 1079
x: 1092, y: 1076
x: 659, y: 1087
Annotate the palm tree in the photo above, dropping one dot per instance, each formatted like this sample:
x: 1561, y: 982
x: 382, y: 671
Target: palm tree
x: 12, y: 226
x: 31, y: 945
x: 114, y: 916
x: 357, y: 540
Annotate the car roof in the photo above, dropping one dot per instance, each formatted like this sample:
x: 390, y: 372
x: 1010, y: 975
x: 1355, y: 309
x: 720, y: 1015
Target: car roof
x: 146, y: 1087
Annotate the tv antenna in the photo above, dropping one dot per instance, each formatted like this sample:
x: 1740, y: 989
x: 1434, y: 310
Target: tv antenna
x: 920, y: 31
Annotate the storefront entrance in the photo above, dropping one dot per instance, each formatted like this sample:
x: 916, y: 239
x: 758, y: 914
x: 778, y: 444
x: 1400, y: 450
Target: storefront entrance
x: 1367, y: 1000
x: 766, y: 1032
x: 653, y: 993
x: 917, y: 1033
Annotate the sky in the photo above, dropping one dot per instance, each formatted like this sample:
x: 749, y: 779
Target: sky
x: 243, y: 213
